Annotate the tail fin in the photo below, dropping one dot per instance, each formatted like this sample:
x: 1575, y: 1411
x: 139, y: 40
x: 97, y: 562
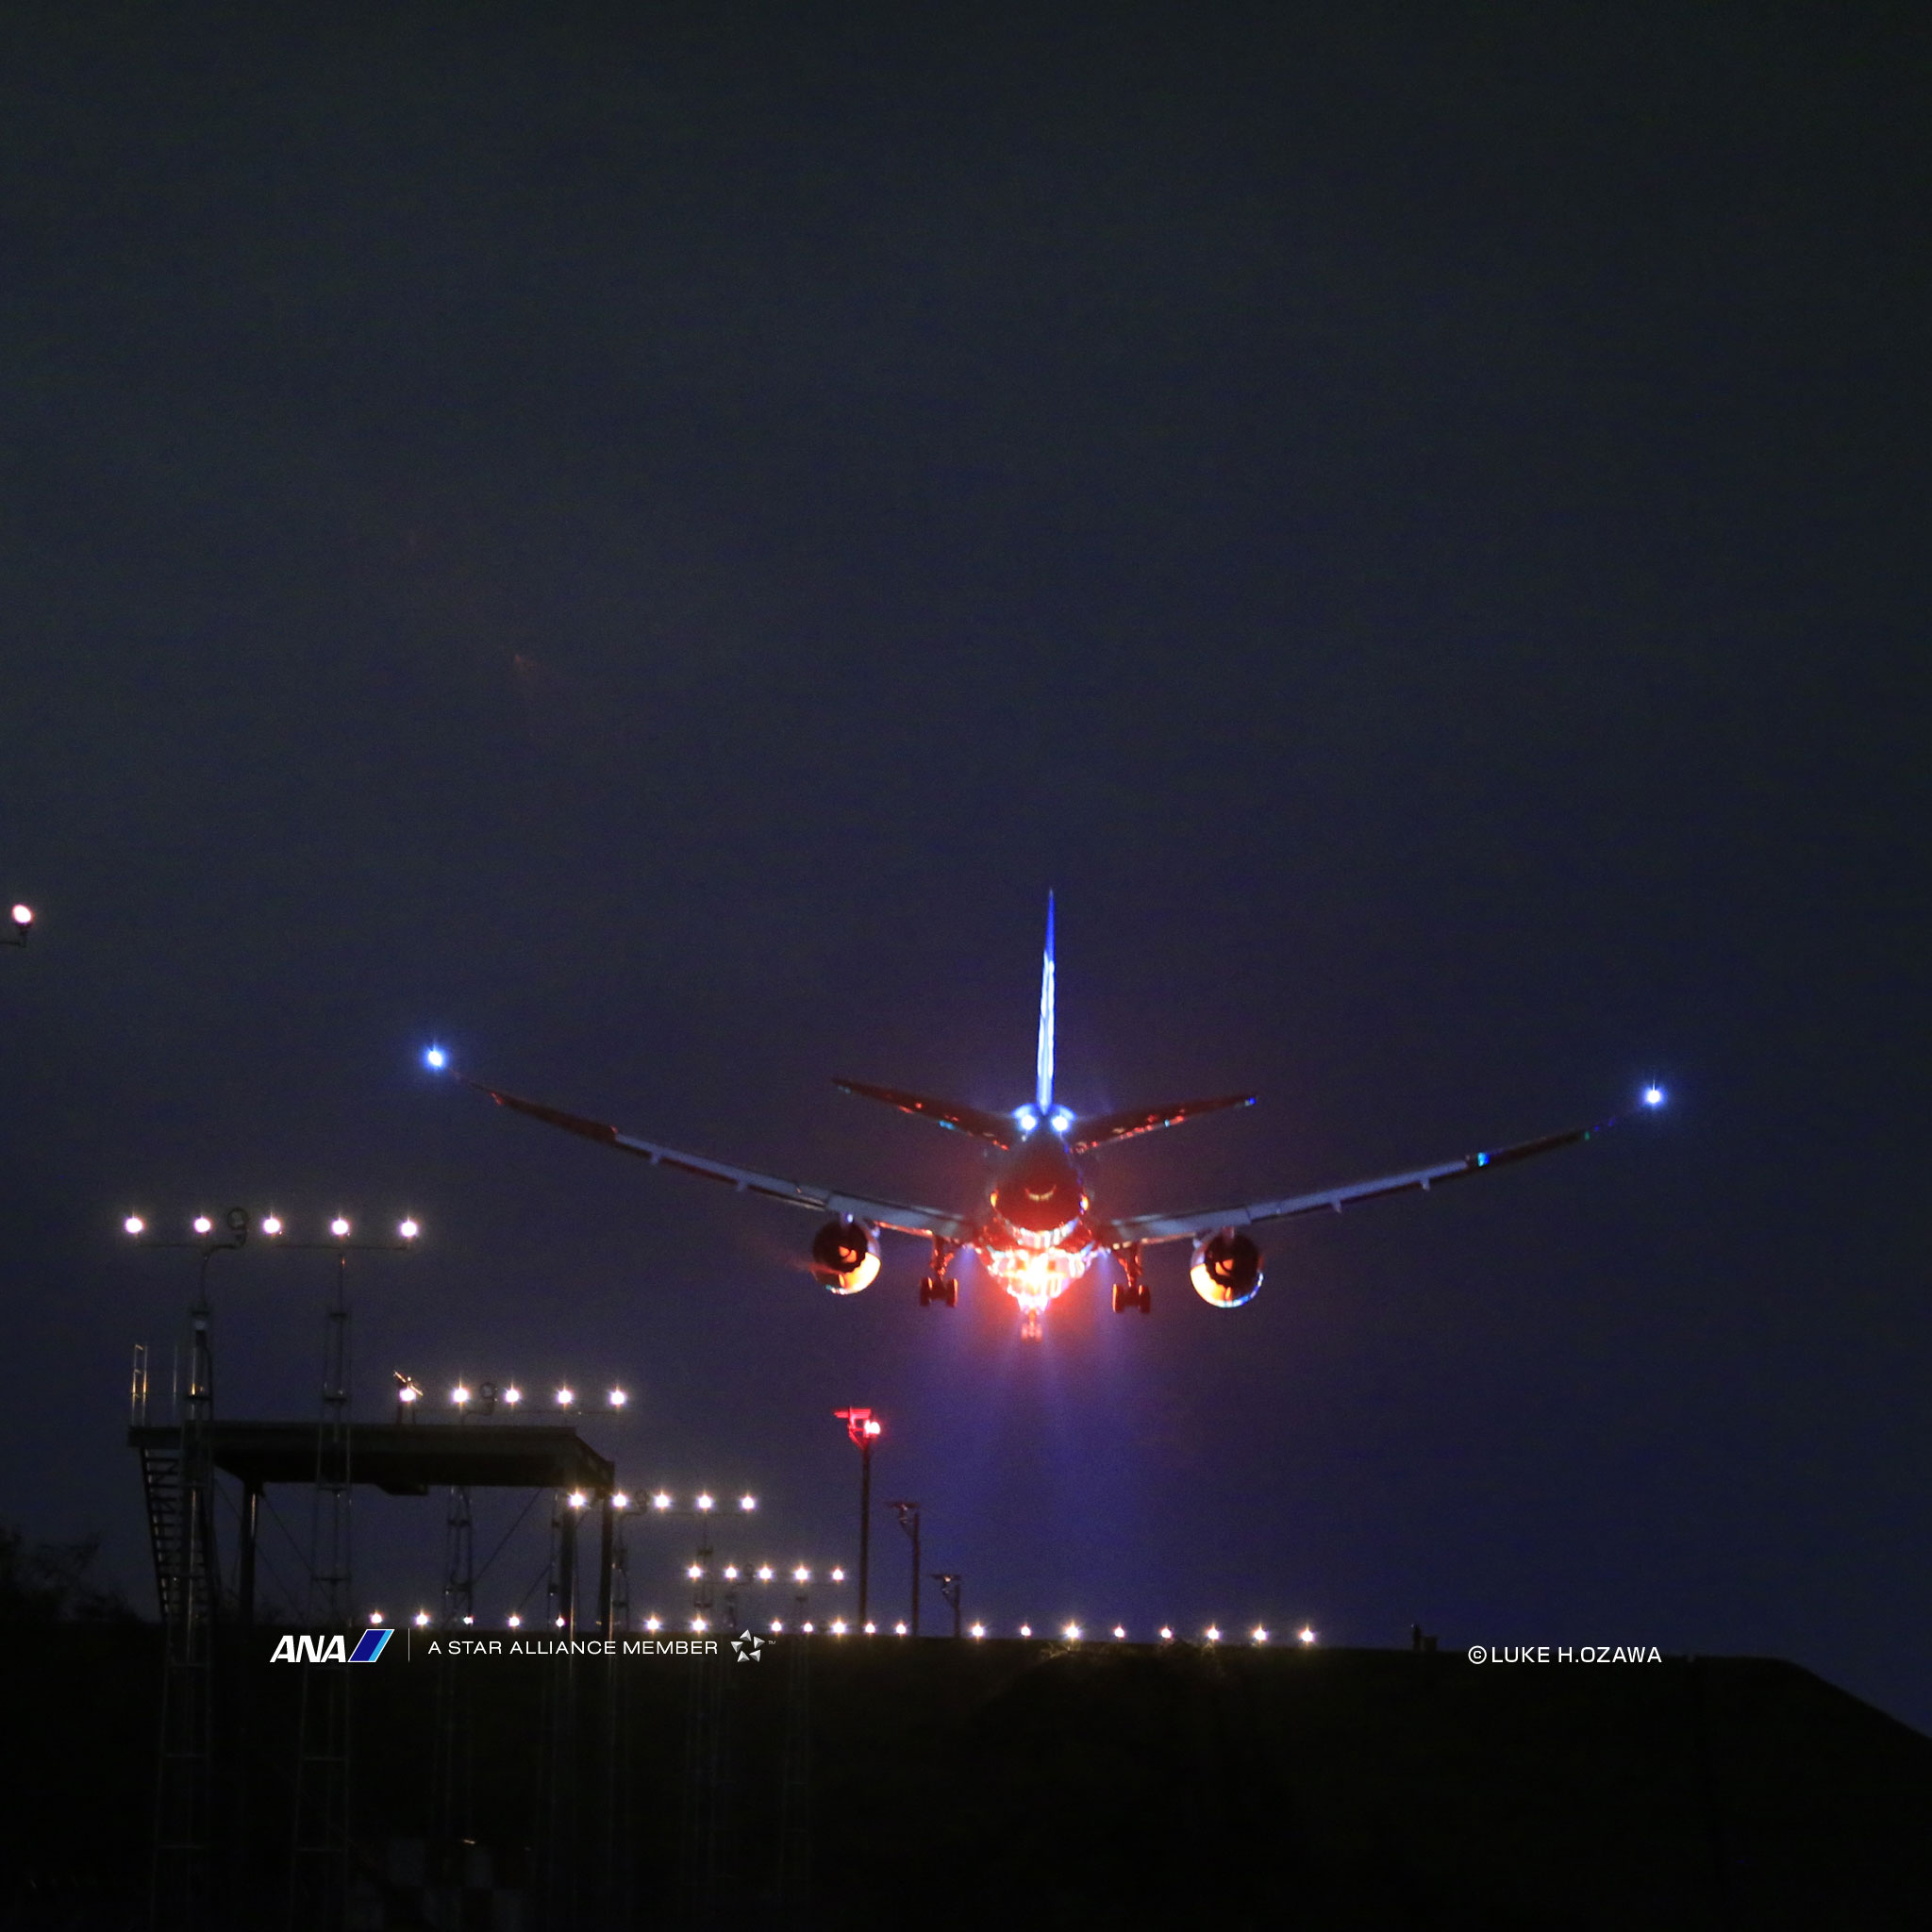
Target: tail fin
x: 1043, y: 1064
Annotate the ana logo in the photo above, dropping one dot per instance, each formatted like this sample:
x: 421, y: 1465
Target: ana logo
x: 748, y: 1648
x: 332, y: 1650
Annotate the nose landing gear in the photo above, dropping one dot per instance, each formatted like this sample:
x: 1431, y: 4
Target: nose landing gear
x: 1132, y: 1293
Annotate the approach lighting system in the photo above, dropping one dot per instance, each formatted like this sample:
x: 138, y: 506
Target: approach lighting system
x: 515, y: 1621
x: 375, y: 1617
x: 1034, y: 1229
x: 801, y: 1574
x: 340, y: 1227
x: 653, y: 1623
x: 1071, y: 1632
x: 1305, y: 1634
x: 409, y: 1229
x: 617, y: 1398
x: 23, y: 915
x: 565, y: 1397
x: 747, y: 1503
x: 202, y: 1224
x: 1166, y: 1634
x: 661, y: 1501
x: 577, y: 1499
x: 422, y: 1620
x: 271, y: 1224
x: 1025, y: 1630
x: 765, y: 1573
x: 134, y: 1224
x: 838, y: 1575
x: 1260, y: 1634
x: 619, y: 1500
x: 706, y: 1502
x: 512, y: 1395
x: 1213, y: 1635
x: 1120, y: 1632
x: 898, y: 1629
x: 459, y: 1394
x: 979, y: 1630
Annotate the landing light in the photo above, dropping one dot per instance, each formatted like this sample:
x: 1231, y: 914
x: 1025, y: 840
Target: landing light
x: 871, y: 1629
x: 1027, y: 1117
x: 459, y: 1396
x: 731, y: 1572
x: 778, y: 1626
x: 838, y: 1627
x: 695, y: 1571
x: 435, y: 1058
x: 374, y: 1617
x: 1652, y: 1096
x: 698, y: 1624
x: 1060, y: 1119
x: 1025, y: 1630
x: 565, y: 1397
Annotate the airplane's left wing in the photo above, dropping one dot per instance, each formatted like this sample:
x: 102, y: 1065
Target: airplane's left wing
x: 895, y: 1214
x: 1175, y: 1227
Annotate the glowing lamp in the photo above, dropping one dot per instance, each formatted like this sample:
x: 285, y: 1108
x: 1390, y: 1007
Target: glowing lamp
x: 135, y: 1224
x: 459, y: 1396
x: 512, y: 1395
x: 619, y: 1500
x: 1071, y: 1632
x: 1652, y: 1096
x: 1119, y: 1631
x: 898, y: 1629
x: 778, y: 1626
x: 838, y: 1576
x: 435, y: 1058
x: 617, y: 1398
x: 705, y: 1502
x: 271, y: 1224
x: 653, y: 1623
x: 516, y: 1623
x: 1307, y: 1635
x: 1258, y: 1634
x: 1166, y: 1635
x: 871, y: 1629
x: 422, y: 1620
x: 697, y: 1623
x: 468, y: 1620
x: 979, y: 1629
x: 375, y: 1617
x: 747, y: 1502
x: 340, y: 1227
x: 23, y: 915
x: 838, y: 1627
x: 577, y: 1499
x: 661, y: 1501
x: 765, y: 1573
x: 409, y: 1229
x: 874, y: 1426
x: 565, y: 1397
x: 1213, y: 1635
x: 808, y: 1626
x: 695, y: 1571
x: 731, y: 1572
x: 801, y: 1574
x: 409, y: 1393
x: 203, y: 1225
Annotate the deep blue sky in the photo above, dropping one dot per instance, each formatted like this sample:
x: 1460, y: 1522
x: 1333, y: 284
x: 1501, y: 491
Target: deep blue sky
x: 642, y: 551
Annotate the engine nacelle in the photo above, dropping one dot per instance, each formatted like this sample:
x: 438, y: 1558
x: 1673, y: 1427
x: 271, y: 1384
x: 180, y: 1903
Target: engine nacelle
x: 845, y: 1256
x: 1226, y: 1269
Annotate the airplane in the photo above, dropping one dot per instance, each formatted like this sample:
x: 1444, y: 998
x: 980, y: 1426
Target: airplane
x: 1036, y: 1232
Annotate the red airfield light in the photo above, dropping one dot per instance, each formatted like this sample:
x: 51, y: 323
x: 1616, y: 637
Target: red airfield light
x: 865, y: 1429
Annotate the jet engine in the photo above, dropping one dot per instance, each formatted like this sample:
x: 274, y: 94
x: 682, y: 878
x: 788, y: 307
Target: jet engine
x: 1226, y: 1269
x: 845, y: 1256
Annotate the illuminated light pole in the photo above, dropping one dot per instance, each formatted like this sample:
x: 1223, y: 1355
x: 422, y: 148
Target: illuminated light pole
x: 908, y: 1521
x: 865, y: 1429
x: 20, y: 926
x: 949, y: 1581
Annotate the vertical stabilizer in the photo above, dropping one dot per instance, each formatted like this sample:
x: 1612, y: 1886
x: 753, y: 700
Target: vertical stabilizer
x: 1042, y: 1080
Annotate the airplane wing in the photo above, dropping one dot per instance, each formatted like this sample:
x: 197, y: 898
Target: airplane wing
x: 1175, y: 1227
x: 894, y: 1214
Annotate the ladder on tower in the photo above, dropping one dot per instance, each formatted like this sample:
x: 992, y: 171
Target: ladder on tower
x: 160, y: 1481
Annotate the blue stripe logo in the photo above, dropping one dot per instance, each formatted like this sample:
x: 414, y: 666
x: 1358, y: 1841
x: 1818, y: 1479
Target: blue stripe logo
x: 370, y: 1646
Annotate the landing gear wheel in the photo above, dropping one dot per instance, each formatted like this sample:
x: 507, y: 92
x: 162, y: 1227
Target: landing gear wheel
x: 1130, y: 1295
x: 925, y: 1292
x: 950, y: 1291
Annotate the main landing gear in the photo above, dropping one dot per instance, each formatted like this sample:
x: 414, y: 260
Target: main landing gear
x: 939, y: 1286
x: 1132, y: 1293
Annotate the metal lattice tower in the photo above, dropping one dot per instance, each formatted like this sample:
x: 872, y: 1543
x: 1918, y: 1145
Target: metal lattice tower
x: 319, y: 1869
x: 180, y: 1500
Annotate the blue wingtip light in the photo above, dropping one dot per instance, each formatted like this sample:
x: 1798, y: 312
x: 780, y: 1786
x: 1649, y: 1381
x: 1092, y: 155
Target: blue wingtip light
x: 1652, y: 1096
x: 435, y: 1058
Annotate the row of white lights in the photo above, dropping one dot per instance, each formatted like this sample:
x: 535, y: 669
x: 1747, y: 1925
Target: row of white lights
x: 1071, y: 1633
x: 510, y: 1395
x: 273, y: 1224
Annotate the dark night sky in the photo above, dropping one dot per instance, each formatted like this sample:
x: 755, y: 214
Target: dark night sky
x: 642, y: 551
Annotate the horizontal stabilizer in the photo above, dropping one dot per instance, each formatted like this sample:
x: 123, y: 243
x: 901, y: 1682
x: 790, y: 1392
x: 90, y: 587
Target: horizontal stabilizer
x: 1105, y: 1128
x: 1000, y: 1129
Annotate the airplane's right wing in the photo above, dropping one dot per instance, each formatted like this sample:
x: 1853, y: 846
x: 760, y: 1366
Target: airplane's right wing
x: 1175, y: 1228
x: 894, y: 1214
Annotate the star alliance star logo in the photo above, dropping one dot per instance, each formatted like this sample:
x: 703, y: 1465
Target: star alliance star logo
x: 748, y: 1648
